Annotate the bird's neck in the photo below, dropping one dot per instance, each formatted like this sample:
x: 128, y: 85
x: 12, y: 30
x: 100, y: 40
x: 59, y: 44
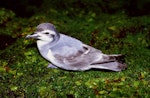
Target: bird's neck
x: 44, y: 47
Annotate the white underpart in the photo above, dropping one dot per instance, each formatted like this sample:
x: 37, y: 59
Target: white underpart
x: 50, y: 56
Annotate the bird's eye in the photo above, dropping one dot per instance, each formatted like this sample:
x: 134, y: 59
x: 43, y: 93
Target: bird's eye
x: 46, y: 33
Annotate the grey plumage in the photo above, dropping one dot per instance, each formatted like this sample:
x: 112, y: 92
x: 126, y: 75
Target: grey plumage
x: 71, y: 54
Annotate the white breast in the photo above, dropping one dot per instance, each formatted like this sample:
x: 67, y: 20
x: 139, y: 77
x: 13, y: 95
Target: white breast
x: 50, y: 56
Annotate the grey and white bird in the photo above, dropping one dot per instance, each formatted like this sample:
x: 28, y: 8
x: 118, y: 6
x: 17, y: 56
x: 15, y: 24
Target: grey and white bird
x: 69, y: 53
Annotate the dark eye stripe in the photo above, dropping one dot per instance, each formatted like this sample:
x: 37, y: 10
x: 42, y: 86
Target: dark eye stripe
x: 46, y: 33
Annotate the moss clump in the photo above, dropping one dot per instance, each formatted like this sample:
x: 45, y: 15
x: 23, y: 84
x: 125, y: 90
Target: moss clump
x: 24, y: 73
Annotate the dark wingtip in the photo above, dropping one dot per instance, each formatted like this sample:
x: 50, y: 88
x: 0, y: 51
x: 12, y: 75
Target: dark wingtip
x: 120, y: 58
x: 122, y: 66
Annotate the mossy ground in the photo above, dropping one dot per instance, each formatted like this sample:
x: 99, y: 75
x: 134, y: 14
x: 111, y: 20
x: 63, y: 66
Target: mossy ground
x: 24, y: 73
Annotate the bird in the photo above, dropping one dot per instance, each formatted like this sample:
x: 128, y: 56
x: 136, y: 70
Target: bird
x: 68, y: 53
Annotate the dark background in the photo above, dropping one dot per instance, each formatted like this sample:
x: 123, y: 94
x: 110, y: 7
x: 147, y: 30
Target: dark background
x: 27, y: 8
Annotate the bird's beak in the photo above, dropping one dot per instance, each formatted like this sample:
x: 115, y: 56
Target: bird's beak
x: 35, y: 35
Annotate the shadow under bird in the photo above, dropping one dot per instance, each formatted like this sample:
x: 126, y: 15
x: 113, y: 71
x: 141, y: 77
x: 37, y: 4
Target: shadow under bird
x: 68, y: 53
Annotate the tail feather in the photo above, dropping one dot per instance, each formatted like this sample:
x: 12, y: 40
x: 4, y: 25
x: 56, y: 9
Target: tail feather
x: 114, y: 66
x: 114, y: 62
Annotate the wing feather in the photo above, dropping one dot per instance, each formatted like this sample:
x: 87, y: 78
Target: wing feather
x: 82, y: 58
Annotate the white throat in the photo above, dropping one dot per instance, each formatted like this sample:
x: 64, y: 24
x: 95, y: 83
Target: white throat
x: 44, y: 48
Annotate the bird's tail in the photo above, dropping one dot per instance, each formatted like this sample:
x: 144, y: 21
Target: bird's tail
x: 113, y: 62
x: 114, y: 66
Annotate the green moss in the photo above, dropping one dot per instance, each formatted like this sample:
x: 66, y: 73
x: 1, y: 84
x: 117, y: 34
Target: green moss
x: 24, y: 73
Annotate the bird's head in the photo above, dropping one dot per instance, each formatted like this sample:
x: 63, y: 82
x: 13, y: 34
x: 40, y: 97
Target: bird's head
x: 45, y: 32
